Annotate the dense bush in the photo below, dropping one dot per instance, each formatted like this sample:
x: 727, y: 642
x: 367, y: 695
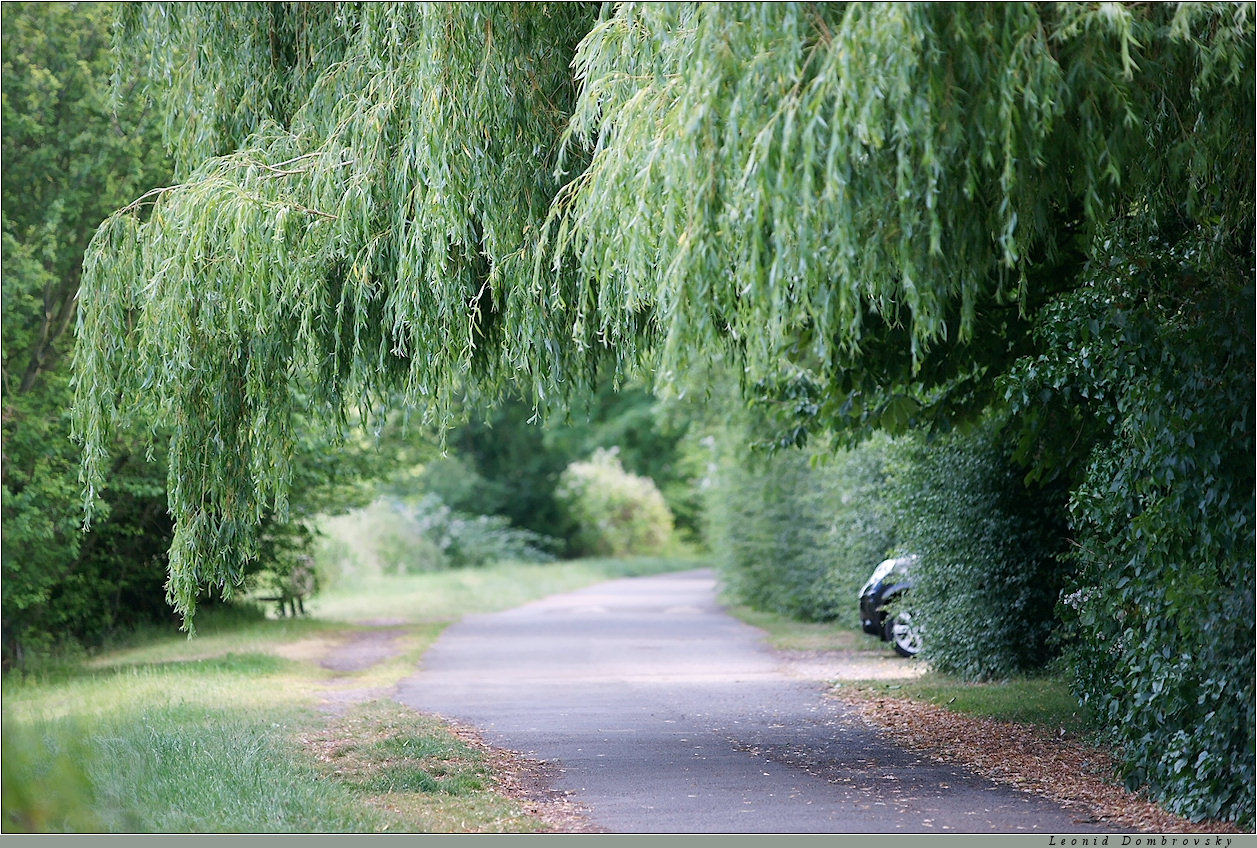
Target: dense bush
x: 469, y: 541
x: 797, y: 533
x: 614, y: 513
x: 1159, y: 351
x: 65, y: 589
x: 990, y: 546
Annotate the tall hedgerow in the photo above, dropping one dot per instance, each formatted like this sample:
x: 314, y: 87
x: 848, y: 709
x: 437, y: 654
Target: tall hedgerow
x: 1143, y: 398
x: 990, y: 545
x: 798, y: 531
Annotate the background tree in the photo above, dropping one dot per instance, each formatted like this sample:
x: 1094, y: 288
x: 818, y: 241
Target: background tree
x: 503, y: 461
x: 72, y: 155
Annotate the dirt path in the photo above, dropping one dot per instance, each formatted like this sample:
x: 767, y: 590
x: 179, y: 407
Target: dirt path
x: 658, y: 712
x: 363, y: 650
x: 1022, y: 760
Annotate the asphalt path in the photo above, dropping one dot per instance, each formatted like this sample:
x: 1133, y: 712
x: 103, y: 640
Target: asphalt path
x: 663, y: 714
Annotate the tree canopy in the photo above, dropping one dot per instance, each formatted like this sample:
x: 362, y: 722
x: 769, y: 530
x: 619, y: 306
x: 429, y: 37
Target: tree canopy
x: 863, y: 206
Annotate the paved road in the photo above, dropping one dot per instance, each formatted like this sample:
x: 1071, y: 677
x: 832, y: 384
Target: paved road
x: 665, y: 714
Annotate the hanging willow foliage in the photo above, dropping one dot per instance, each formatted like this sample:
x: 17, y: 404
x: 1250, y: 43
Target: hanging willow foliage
x: 376, y: 240
x: 435, y: 200
x: 875, y: 195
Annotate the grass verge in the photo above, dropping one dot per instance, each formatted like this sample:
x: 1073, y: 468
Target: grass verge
x: 415, y: 772
x: 224, y: 732
x: 1045, y: 700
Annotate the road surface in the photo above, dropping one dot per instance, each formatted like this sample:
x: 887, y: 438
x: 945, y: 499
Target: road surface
x: 663, y: 714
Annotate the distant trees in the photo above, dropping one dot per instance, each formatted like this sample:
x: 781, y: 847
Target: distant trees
x: 502, y: 461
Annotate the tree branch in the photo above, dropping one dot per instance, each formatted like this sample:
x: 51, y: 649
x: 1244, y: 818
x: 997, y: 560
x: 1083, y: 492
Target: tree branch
x: 59, y: 308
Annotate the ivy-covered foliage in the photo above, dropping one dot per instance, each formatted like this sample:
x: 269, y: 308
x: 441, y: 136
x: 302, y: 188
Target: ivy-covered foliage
x: 1157, y: 351
x: 990, y: 545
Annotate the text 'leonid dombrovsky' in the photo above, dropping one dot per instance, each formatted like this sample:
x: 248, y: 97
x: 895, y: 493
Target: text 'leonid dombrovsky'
x: 1139, y: 841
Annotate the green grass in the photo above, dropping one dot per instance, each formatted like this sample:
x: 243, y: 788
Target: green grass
x: 193, y: 762
x: 220, y: 733
x: 1045, y: 700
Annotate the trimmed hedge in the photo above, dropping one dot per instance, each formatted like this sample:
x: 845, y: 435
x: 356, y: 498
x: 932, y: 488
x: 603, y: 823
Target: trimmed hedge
x: 990, y: 547
x: 798, y: 532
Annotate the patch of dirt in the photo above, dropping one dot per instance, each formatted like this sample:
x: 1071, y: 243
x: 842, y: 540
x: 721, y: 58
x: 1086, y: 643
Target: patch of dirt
x: 1032, y: 759
x: 363, y: 650
x: 338, y: 701
x: 312, y: 649
x: 359, y: 652
x: 531, y: 783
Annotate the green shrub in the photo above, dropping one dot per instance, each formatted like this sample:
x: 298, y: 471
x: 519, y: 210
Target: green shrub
x: 615, y: 513
x: 400, y: 536
x: 458, y: 540
x: 862, y: 531
x: 990, y: 546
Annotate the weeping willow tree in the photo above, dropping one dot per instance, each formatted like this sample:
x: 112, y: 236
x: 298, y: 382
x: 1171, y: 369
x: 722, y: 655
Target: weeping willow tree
x: 354, y: 219
x: 863, y: 206
x: 869, y: 203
